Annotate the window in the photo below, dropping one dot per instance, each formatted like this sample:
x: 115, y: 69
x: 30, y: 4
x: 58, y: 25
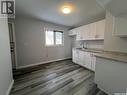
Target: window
x: 49, y: 38
x: 53, y: 38
x: 59, y: 38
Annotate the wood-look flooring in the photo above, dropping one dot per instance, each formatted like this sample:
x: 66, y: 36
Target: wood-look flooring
x: 57, y: 78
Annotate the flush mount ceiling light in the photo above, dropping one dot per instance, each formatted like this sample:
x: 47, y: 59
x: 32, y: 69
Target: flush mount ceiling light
x: 66, y: 10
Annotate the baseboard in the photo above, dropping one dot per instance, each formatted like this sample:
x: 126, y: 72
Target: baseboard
x: 31, y: 65
x: 9, y: 88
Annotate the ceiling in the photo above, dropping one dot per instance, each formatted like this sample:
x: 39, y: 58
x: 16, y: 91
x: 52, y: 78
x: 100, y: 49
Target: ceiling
x: 84, y: 11
x: 116, y: 7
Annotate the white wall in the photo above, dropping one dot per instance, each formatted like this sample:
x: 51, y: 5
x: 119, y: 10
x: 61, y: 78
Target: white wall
x: 30, y: 42
x: 5, y: 58
x: 111, y: 42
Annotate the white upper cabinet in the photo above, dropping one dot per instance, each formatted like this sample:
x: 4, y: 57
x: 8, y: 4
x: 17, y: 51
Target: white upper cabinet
x: 72, y: 32
x: 100, y: 29
x: 93, y: 31
x: 82, y: 32
x: 120, y: 26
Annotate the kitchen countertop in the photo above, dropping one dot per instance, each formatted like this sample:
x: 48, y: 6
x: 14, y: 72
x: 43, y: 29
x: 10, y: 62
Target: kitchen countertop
x: 116, y: 56
x: 92, y: 50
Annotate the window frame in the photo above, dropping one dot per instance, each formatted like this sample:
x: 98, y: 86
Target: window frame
x: 54, y: 32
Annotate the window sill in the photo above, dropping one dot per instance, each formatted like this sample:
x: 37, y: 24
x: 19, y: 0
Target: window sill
x: 54, y: 45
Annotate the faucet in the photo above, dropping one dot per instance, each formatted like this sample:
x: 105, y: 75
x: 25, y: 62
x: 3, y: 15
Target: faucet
x: 85, y: 45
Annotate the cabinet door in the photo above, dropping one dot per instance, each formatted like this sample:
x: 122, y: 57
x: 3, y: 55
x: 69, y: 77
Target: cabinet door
x: 93, y: 62
x: 87, y: 60
x: 79, y: 34
x: 120, y: 26
x: 92, y: 32
x: 81, y: 58
x: 86, y: 32
x: 72, y: 32
x: 100, y: 29
x: 75, y: 55
x: 82, y: 32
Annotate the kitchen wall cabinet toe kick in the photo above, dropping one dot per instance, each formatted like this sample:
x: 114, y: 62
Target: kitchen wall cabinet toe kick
x: 85, y: 59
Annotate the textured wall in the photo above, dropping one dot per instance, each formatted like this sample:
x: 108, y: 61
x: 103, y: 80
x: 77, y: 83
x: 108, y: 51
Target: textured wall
x: 30, y: 42
x: 5, y: 58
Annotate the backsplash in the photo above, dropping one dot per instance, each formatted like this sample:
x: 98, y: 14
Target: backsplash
x: 89, y: 44
x: 96, y: 44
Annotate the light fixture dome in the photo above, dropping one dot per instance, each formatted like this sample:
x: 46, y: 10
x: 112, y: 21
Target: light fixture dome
x: 66, y: 10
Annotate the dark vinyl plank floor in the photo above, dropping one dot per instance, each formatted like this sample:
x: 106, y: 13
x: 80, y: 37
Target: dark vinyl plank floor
x: 56, y: 78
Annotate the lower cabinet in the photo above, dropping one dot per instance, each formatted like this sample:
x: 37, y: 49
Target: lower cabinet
x: 85, y: 59
x: 80, y: 57
x: 93, y: 62
x: 75, y: 56
x: 111, y: 76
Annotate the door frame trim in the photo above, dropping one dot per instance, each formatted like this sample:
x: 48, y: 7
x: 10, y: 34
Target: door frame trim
x: 14, y: 38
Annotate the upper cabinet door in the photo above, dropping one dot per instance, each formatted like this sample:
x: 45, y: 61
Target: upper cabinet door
x: 92, y: 32
x: 82, y: 33
x: 120, y: 26
x: 72, y: 32
x: 100, y: 29
x: 79, y: 33
x: 85, y: 32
